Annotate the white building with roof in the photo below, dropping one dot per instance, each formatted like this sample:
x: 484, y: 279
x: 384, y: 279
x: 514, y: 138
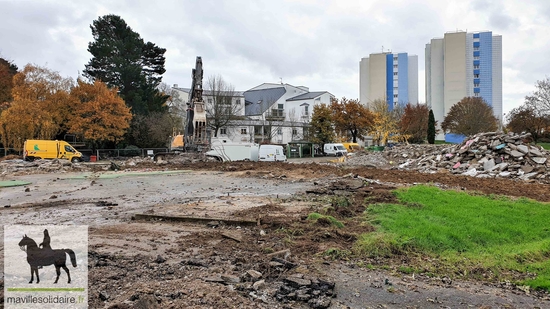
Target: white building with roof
x: 269, y: 113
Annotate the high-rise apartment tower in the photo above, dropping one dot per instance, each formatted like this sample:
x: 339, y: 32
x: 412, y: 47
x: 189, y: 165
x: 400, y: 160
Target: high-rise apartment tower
x: 463, y: 64
x: 388, y: 76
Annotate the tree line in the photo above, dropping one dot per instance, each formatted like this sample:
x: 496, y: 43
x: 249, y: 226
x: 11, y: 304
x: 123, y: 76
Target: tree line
x: 349, y: 120
x: 119, y: 100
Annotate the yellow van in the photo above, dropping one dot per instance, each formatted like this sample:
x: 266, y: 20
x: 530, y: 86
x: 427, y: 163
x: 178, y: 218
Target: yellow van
x: 44, y: 149
x: 352, y: 147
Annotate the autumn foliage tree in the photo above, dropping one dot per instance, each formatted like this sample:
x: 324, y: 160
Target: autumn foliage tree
x: 414, y: 122
x: 40, y: 108
x: 321, y: 129
x: 100, y: 114
x: 351, y: 117
x: 470, y: 116
x: 526, y: 118
x: 386, y: 123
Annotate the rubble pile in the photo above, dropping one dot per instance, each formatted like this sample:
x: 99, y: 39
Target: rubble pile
x: 403, y: 153
x: 486, y: 155
x: 316, y: 292
x: 364, y: 158
x: 18, y: 166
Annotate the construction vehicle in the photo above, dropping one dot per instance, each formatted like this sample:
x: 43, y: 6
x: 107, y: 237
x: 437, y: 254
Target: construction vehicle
x: 195, y: 137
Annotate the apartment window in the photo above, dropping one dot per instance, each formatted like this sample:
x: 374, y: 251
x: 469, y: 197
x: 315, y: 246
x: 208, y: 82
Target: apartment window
x: 238, y: 101
x: 395, y: 96
x: 223, y: 131
x: 476, y: 94
x: 294, y: 131
x: 394, y: 73
x: 243, y: 131
x: 476, y: 57
x: 476, y: 75
x: 476, y: 66
x: 476, y: 85
x: 395, y: 58
x: 280, y: 106
x: 476, y: 47
x: 395, y: 88
x: 395, y: 66
x: 279, y: 131
x: 306, y: 110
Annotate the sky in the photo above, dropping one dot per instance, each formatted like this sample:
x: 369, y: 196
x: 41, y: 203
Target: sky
x: 317, y: 44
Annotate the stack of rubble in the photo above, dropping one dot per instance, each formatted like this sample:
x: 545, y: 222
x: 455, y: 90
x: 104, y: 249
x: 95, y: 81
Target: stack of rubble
x: 18, y: 166
x: 486, y: 155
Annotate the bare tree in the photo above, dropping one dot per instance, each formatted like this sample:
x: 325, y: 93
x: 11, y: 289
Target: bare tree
x: 221, y: 105
x: 540, y: 99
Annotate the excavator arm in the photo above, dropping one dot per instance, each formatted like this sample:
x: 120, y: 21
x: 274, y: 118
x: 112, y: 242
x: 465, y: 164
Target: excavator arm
x: 195, y: 127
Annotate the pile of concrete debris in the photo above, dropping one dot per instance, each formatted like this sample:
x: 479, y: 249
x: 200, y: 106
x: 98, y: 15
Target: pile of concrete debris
x: 367, y: 158
x: 482, y: 155
x: 18, y: 166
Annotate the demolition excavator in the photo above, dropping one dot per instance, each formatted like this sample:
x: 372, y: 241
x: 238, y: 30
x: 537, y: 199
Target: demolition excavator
x: 195, y: 137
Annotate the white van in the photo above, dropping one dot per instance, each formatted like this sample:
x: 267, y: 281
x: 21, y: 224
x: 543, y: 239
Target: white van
x: 336, y: 150
x: 272, y: 153
x: 226, y: 150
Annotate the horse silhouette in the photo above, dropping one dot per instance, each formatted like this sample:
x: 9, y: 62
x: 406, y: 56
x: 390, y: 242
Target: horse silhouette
x: 46, y: 256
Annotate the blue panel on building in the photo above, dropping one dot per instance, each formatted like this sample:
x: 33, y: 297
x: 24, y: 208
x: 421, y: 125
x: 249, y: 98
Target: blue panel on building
x: 476, y: 53
x: 476, y: 62
x: 454, y: 138
x: 486, y: 67
x: 476, y: 90
x: 476, y: 35
x: 403, y: 75
x: 476, y: 71
x: 389, y: 80
x: 476, y: 44
x: 476, y: 80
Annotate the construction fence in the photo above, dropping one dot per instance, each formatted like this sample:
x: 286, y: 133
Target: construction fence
x: 101, y: 154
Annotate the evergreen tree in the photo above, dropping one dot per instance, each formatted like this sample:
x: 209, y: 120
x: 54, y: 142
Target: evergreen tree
x: 122, y: 59
x: 431, y: 128
x: 7, y: 72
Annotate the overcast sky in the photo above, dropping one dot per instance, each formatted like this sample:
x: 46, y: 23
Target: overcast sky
x: 313, y: 43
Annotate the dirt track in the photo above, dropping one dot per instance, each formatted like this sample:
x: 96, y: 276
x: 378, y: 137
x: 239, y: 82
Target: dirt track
x: 126, y: 271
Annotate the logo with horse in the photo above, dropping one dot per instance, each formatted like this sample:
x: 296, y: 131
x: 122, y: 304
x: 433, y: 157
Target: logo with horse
x: 43, y: 255
x: 43, y: 249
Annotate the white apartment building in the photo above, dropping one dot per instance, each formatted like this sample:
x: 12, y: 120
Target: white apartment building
x: 389, y: 76
x: 463, y: 64
x: 269, y: 113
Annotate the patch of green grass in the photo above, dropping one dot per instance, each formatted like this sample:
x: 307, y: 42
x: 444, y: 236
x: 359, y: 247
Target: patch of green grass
x: 406, y: 270
x: 544, y: 145
x: 317, y: 217
x: 461, y: 230
x: 337, y: 254
x: 340, y: 201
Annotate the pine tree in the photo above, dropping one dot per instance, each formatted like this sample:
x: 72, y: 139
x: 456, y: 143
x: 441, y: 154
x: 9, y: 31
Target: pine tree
x: 122, y: 59
x: 431, y: 128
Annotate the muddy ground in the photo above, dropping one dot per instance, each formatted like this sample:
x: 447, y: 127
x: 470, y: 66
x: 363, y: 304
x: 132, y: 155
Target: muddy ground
x: 214, y: 262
